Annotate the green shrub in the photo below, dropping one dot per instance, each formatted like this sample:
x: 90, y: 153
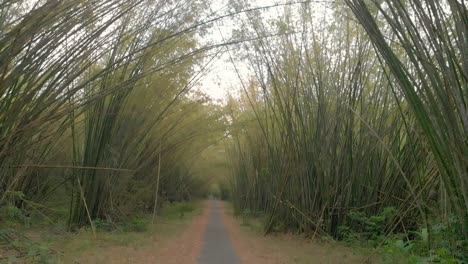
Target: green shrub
x: 442, y: 243
x: 367, y: 228
x: 10, y: 214
x: 136, y: 225
x: 104, y: 225
x: 20, y: 249
x: 183, y: 208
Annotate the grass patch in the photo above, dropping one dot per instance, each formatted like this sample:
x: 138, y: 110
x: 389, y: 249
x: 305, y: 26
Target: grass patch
x: 52, y: 244
x: 137, y: 233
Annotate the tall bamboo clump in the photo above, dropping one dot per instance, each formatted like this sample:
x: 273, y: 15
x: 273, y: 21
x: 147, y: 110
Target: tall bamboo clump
x: 425, y: 46
x: 332, y: 135
x: 91, y: 94
x: 45, y: 51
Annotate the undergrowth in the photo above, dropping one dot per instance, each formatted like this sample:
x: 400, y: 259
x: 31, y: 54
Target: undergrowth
x: 17, y: 247
x: 411, y: 247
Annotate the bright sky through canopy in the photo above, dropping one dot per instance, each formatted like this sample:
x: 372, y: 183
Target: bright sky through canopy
x: 222, y: 79
x: 226, y: 69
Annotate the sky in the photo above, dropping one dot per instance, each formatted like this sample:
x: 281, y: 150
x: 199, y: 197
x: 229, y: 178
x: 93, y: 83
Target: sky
x: 222, y: 77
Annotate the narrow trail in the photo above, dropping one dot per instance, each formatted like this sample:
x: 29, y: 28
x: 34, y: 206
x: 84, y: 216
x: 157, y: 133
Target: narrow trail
x: 215, y: 236
x: 187, y: 246
x: 217, y: 246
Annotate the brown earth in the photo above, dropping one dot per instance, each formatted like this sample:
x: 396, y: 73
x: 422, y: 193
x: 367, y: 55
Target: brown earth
x: 255, y: 248
x: 187, y: 247
x: 250, y: 246
x: 184, y: 248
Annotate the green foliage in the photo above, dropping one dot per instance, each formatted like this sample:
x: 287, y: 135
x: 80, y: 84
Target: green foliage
x: 447, y: 240
x: 136, y: 225
x: 329, y: 124
x: 22, y: 250
x: 178, y: 210
x: 40, y: 253
x: 88, y: 109
x: 415, y: 252
x: 332, y: 135
x: 371, y: 228
x: 10, y: 214
x: 225, y: 193
x: 322, y: 135
x: 183, y: 208
x: 103, y: 225
x: 434, y: 89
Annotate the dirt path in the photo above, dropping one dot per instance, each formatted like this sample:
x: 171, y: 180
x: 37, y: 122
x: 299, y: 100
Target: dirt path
x: 212, y: 238
x: 183, y: 249
x: 253, y: 247
x: 217, y: 237
x: 187, y: 247
x: 217, y: 247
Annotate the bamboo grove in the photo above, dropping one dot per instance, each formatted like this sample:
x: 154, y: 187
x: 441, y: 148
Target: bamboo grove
x: 358, y: 112
x: 96, y: 113
x: 354, y: 117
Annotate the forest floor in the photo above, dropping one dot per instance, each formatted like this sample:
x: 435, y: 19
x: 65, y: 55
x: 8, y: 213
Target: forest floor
x: 254, y: 247
x: 210, y: 233
x: 191, y: 238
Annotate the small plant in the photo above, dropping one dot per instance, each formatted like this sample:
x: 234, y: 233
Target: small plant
x: 440, y: 249
x: 40, y: 253
x: 245, y: 217
x: 136, y: 225
x: 10, y: 214
x: 367, y: 228
x: 183, y: 208
x: 104, y: 225
x: 23, y: 250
